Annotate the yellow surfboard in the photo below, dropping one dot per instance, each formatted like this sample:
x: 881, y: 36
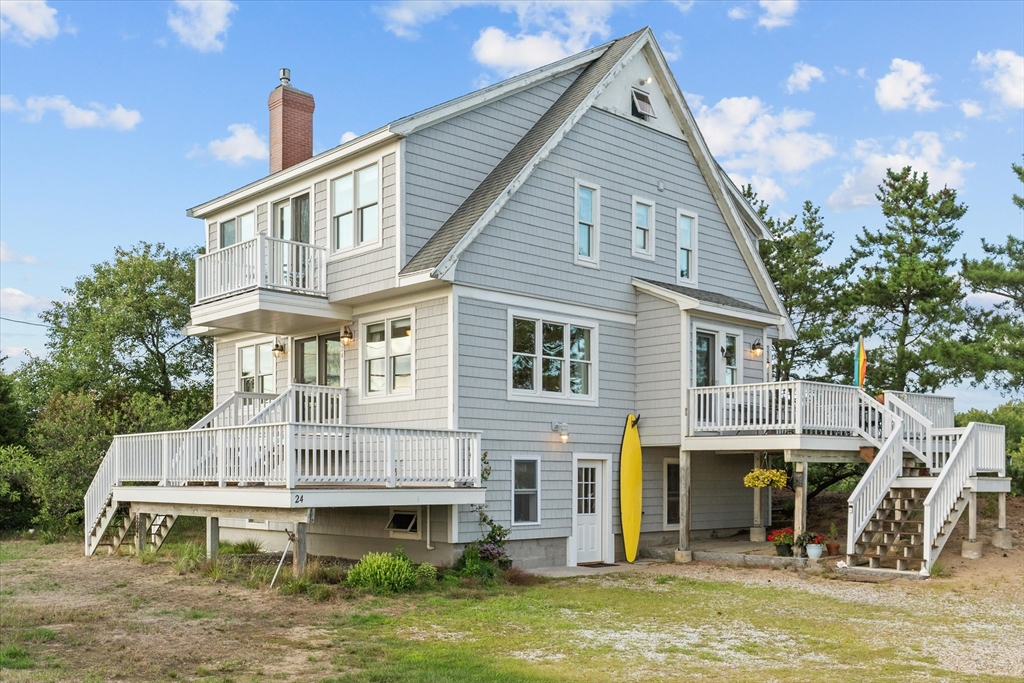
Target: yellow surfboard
x: 631, y: 486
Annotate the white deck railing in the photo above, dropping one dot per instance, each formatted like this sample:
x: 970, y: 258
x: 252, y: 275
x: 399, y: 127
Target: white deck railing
x: 937, y: 409
x: 261, y: 262
x: 875, y: 484
x: 306, y: 404
x: 981, y: 448
x: 237, y: 410
x: 916, y: 428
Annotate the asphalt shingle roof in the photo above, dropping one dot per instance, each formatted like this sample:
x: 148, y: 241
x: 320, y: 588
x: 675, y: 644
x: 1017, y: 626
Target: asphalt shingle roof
x: 710, y: 297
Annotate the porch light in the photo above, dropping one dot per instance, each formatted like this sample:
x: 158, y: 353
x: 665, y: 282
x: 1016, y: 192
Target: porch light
x: 278, y: 349
x: 346, y: 336
x: 563, y: 430
x: 756, y: 348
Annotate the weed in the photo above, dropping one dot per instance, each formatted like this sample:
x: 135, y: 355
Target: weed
x: 15, y: 657
x: 259, y: 576
x: 188, y: 558
x: 514, y: 576
x: 319, y: 592
x: 37, y: 635
x: 295, y: 586
x: 198, y: 613
x: 938, y: 570
x: 248, y: 546
x: 147, y: 556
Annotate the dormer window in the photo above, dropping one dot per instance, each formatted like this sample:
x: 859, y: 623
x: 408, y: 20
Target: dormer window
x: 642, y: 107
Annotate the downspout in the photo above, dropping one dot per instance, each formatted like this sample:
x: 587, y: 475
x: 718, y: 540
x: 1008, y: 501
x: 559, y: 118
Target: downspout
x: 429, y: 547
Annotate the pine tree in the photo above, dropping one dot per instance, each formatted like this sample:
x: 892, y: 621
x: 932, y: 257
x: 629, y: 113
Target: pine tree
x: 910, y: 296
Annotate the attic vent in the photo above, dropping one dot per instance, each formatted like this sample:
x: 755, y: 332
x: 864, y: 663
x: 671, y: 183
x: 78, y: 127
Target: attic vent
x: 642, y: 107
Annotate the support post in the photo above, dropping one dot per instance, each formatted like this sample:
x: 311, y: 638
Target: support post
x: 141, y: 532
x: 1001, y: 537
x: 212, y: 537
x: 972, y: 548
x: 800, y: 502
x: 757, y: 532
x: 299, y: 556
x: 684, y: 554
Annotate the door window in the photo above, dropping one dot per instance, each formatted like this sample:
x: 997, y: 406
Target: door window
x: 318, y: 360
x: 704, y: 367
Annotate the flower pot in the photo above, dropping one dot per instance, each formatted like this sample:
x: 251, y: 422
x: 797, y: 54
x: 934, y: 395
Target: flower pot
x: 784, y: 550
x: 832, y: 549
x: 814, y: 550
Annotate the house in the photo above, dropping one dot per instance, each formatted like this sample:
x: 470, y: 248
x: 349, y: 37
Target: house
x: 457, y: 312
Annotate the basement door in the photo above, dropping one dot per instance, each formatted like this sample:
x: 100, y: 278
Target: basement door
x: 589, y: 532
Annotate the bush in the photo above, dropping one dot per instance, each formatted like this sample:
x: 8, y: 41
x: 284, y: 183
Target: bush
x: 188, y: 558
x: 383, y: 573
x: 473, y: 564
x: 426, y: 574
x: 248, y: 546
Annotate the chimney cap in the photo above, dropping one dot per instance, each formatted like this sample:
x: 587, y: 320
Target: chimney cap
x: 286, y: 76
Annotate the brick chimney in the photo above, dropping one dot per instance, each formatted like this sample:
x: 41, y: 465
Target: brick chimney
x: 291, y: 125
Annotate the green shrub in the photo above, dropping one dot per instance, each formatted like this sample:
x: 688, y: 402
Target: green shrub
x: 426, y: 574
x: 188, y: 558
x: 248, y: 546
x: 383, y: 573
x: 472, y: 564
x: 14, y: 657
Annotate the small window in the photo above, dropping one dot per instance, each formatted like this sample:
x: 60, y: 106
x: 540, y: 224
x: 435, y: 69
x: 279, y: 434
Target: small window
x: 642, y: 107
x: 404, y: 523
x: 643, y: 228
x: 238, y: 229
x: 356, y: 217
x: 526, y: 503
x: 671, y: 493
x: 687, y: 243
x: 551, y: 359
x: 387, y: 357
x: 256, y: 368
x: 732, y: 374
x: 587, y: 229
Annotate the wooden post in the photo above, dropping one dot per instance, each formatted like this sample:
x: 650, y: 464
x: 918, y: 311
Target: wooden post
x: 299, y: 555
x: 800, y: 502
x: 141, y: 532
x: 1002, y: 510
x: 757, y: 497
x: 684, y: 500
x: 972, y: 516
x: 212, y: 537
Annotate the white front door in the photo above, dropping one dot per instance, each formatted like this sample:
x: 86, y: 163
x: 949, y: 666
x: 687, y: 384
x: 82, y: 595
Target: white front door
x: 588, y: 512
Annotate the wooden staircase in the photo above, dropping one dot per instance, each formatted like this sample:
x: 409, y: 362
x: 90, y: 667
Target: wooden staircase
x: 118, y: 522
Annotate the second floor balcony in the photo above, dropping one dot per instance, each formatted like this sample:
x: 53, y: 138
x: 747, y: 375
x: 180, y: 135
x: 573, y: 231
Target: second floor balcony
x: 264, y: 284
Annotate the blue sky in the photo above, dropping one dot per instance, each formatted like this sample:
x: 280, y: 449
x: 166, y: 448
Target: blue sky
x: 116, y: 117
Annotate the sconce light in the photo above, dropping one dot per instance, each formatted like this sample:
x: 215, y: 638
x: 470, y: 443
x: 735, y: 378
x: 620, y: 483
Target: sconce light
x: 563, y: 430
x: 279, y: 349
x: 756, y: 348
x: 346, y: 336
x: 645, y: 81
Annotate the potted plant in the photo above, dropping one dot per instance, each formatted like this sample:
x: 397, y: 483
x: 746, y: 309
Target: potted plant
x: 832, y: 544
x: 782, y: 539
x: 813, y: 544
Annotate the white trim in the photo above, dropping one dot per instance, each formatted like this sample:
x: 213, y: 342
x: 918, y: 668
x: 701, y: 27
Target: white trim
x: 254, y: 342
x: 388, y: 396
x: 453, y: 361
x: 272, y: 497
x: 688, y: 303
x: 512, y: 511
x: 699, y: 328
x: 694, y: 232
x: 665, y: 526
x: 651, y: 228
x: 546, y: 306
x: 608, y: 536
x: 400, y: 300
x: 685, y: 344
x: 310, y: 191
x: 537, y: 395
x: 399, y: 209
x: 594, y: 260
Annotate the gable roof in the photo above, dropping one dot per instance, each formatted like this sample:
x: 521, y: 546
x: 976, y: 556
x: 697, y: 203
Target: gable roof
x: 704, y: 295
x: 473, y: 212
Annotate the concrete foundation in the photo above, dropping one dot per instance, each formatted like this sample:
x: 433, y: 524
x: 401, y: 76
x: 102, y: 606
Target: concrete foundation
x: 758, y: 534
x: 683, y: 556
x: 1002, y: 538
x: 971, y: 550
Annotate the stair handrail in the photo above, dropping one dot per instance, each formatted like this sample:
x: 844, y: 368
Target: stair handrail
x: 883, y: 428
x: 916, y: 428
x: 103, y: 483
x: 982, y: 448
x: 233, y: 402
x: 278, y: 410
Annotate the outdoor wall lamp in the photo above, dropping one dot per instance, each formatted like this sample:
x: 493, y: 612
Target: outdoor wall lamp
x: 279, y: 349
x: 756, y: 348
x: 563, y: 430
x: 346, y: 336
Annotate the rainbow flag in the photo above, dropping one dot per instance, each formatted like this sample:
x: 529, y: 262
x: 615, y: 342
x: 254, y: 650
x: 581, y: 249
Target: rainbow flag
x: 860, y: 364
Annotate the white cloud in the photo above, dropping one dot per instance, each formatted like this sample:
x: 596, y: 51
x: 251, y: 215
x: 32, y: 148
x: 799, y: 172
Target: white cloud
x: 1007, y: 79
x: 10, y: 255
x: 747, y: 136
x: 510, y: 55
x: 26, y: 21
x: 348, y: 135
x: 906, y: 85
x: 862, y: 73
x: 201, y: 24
x: 971, y: 109
x: 242, y: 145
x: 16, y: 301
x: 94, y: 116
x: 671, y: 45
x: 802, y: 77
x: 777, y: 13
x: 404, y: 18
x: 767, y: 189
x: 684, y: 6
x: 923, y: 152
x: 738, y: 13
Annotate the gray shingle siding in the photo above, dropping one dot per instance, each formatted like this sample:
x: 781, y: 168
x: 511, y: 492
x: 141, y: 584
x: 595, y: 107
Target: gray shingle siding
x: 658, y: 370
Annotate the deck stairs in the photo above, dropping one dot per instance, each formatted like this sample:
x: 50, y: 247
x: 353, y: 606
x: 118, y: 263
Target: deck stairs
x: 118, y: 523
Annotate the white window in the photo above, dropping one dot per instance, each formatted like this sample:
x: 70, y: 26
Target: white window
x: 238, y: 229
x: 387, y: 357
x: 526, y: 491
x: 291, y: 219
x: 686, y: 240
x: 552, y: 359
x: 588, y: 224
x: 671, y: 493
x: 355, y: 209
x: 642, y: 107
x: 731, y: 355
x: 256, y: 368
x: 643, y: 228
x: 404, y: 523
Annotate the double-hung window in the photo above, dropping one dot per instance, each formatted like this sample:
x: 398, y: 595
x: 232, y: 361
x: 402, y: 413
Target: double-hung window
x: 552, y: 359
x: 355, y: 213
x: 238, y: 229
x: 686, y: 237
x: 256, y: 368
x: 526, y: 491
x: 387, y: 357
x: 643, y: 228
x: 588, y: 224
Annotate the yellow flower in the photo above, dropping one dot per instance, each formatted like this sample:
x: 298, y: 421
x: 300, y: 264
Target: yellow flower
x: 759, y: 478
